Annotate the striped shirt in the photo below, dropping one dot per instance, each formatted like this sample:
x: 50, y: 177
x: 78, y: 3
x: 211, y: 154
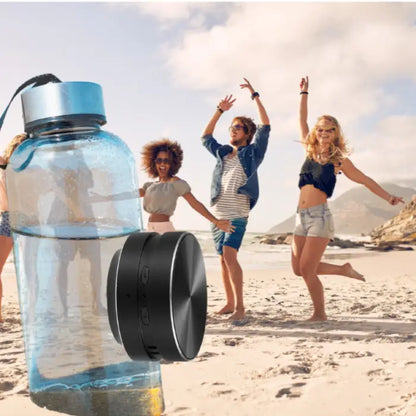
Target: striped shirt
x: 229, y: 203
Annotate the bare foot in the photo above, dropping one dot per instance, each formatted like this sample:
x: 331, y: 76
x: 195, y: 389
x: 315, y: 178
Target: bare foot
x: 237, y: 315
x: 225, y: 310
x: 317, y: 318
x: 350, y: 272
x: 1, y: 319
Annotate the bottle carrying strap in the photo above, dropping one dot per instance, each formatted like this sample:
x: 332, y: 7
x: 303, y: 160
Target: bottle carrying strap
x: 36, y: 81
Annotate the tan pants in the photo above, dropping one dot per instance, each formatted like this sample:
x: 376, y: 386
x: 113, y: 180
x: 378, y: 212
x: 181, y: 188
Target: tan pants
x: 160, y: 227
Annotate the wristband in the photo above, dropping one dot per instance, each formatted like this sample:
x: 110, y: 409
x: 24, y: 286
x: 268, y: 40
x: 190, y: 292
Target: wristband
x: 304, y: 92
x: 219, y: 109
x: 254, y: 95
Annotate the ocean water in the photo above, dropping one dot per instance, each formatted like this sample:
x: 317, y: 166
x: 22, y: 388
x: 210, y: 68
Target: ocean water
x: 253, y: 255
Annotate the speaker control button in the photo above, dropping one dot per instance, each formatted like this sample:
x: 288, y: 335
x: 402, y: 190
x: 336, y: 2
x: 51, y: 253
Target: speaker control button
x: 145, y: 275
x: 145, y: 316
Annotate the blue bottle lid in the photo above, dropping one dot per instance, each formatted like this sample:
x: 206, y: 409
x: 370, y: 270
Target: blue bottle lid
x: 57, y: 101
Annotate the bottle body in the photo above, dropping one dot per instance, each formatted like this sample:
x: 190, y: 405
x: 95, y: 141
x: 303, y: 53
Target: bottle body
x: 73, y: 200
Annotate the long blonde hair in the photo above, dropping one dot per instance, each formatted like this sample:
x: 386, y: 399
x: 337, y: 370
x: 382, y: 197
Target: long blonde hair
x: 338, y: 149
x: 12, y: 146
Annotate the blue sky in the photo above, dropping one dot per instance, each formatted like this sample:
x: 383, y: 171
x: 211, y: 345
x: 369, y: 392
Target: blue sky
x: 165, y: 66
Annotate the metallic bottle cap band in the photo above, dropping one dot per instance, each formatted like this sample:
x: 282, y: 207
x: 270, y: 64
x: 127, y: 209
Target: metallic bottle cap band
x: 57, y: 100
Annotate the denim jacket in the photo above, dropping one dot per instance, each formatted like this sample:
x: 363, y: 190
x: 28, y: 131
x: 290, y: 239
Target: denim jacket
x: 250, y: 158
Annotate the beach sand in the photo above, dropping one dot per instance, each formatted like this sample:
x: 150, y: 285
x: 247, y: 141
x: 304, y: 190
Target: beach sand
x: 362, y: 361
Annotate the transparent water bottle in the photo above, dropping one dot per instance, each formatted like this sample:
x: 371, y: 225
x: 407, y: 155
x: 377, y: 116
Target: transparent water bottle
x: 73, y: 200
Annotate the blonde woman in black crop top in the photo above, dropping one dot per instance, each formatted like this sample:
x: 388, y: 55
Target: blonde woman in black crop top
x: 326, y: 156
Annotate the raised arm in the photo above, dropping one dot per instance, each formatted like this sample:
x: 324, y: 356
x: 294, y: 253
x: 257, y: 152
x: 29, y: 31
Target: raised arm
x: 303, y: 108
x: 224, y: 105
x: 351, y: 172
x: 199, y: 207
x: 264, y: 118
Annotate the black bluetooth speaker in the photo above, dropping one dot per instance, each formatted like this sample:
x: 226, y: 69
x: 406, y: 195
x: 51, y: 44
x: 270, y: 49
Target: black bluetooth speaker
x: 157, y: 296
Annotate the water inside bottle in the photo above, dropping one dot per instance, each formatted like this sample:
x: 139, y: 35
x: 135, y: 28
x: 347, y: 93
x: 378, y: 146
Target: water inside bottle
x: 75, y: 365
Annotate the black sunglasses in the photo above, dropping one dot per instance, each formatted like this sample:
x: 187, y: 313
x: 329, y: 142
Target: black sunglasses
x: 159, y: 161
x: 237, y: 127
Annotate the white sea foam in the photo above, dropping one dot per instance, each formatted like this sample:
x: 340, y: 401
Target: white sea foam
x: 253, y: 255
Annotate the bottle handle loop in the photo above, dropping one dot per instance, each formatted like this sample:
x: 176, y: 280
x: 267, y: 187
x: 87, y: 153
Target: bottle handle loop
x: 36, y: 81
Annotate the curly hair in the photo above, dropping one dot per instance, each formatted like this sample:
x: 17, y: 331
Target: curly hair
x: 250, y: 126
x: 13, y: 145
x: 338, y: 150
x: 152, y: 149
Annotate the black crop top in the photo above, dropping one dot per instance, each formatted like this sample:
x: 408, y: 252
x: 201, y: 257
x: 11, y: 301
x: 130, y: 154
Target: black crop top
x: 320, y: 176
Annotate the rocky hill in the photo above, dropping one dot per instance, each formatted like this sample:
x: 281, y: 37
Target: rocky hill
x: 400, y: 229
x: 357, y: 211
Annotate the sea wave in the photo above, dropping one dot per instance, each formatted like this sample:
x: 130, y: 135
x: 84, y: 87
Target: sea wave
x: 253, y: 255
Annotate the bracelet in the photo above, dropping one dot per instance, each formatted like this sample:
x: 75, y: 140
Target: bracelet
x: 219, y: 109
x: 254, y: 95
x: 303, y: 92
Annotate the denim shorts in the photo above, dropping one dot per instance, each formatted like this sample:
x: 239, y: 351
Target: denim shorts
x: 5, y: 224
x: 315, y: 222
x: 234, y: 239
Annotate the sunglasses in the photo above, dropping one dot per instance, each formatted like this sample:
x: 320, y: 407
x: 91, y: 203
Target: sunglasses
x: 159, y: 161
x: 238, y: 127
x: 320, y: 130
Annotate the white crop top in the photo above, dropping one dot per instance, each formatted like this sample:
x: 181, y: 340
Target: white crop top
x: 161, y: 197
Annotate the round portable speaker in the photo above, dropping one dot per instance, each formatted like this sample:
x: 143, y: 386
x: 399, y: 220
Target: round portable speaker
x: 157, y: 296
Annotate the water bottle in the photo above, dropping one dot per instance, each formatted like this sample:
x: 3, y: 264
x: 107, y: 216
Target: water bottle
x: 73, y: 198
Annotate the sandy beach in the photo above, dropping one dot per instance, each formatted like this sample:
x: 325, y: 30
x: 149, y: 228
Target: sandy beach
x: 362, y: 361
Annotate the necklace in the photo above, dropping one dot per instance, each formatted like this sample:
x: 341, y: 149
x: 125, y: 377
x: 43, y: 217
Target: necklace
x: 322, y: 157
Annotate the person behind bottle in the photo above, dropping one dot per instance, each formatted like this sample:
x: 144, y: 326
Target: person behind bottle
x: 326, y: 156
x: 6, y: 242
x: 162, y: 160
x: 235, y: 191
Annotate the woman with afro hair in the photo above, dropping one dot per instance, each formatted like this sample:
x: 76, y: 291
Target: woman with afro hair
x: 162, y: 160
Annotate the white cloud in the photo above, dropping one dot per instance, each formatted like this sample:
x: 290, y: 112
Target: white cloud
x: 351, y: 52
x: 347, y: 49
x: 389, y: 150
x: 167, y: 13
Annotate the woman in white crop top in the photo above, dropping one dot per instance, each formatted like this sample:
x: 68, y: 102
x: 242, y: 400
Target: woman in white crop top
x: 162, y: 159
x: 6, y: 241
